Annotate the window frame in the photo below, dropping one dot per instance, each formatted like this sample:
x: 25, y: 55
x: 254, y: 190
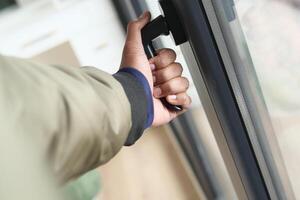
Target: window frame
x: 220, y: 103
x: 253, y: 109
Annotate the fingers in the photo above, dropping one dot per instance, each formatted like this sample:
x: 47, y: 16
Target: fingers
x: 164, y: 58
x: 170, y: 72
x: 181, y: 99
x: 134, y: 27
x: 173, y: 86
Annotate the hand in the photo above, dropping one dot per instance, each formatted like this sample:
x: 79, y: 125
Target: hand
x: 169, y: 84
x: 163, y: 69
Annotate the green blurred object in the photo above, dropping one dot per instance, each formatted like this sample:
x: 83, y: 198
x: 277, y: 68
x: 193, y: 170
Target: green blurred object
x: 6, y: 3
x: 86, y: 187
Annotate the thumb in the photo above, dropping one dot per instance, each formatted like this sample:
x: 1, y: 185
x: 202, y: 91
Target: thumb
x: 134, y: 27
x: 144, y: 19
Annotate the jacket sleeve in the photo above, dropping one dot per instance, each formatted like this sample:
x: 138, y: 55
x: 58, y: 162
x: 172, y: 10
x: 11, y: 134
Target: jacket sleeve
x: 78, y: 117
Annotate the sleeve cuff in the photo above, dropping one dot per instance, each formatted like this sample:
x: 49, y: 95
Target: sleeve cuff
x: 139, y: 95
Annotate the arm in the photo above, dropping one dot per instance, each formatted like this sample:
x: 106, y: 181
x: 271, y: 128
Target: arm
x: 79, y: 118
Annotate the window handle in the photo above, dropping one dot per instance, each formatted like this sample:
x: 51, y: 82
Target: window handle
x: 163, y: 25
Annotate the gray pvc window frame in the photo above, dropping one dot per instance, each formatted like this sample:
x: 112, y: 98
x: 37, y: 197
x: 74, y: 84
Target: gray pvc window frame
x: 243, y: 78
x: 220, y: 103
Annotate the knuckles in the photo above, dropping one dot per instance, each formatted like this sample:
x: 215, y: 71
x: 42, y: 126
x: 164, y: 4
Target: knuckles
x: 166, y: 56
x: 172, y: 71
x: 178, y: 85
x: 186, y: 82
x: 178, y: 68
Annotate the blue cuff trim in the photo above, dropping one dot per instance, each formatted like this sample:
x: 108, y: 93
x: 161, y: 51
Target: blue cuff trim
x: 142, y: 79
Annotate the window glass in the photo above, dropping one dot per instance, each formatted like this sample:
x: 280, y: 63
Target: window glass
x: 223, y: 183
x: 263, y: 37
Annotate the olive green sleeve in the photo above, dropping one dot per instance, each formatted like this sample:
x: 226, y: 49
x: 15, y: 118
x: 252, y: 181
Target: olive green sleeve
x: 78, y: 117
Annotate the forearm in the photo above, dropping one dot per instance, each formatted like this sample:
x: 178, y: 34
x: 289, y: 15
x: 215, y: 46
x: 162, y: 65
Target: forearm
x: 80, y: 118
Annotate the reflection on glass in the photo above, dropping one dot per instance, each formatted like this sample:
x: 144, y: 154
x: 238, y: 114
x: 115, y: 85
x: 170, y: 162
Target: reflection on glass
x: 272, y: 34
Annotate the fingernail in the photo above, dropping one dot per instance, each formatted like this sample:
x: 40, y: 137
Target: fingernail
x: 152, y: 66
x: 154, y: 79
x: 172, y: 97
x: 157, y: 92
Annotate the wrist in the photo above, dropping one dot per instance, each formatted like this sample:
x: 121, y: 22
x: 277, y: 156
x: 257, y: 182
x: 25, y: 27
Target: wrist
x: 147, y: 89
x: 141, y: 100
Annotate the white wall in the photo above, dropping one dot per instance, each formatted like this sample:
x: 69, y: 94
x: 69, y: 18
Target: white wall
x: 91, y: 27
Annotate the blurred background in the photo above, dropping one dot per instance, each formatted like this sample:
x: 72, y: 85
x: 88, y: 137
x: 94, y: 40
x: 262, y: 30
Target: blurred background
x: 162, y: 164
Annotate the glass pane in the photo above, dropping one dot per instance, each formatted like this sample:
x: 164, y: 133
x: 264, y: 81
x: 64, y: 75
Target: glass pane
x: 222, y: 182
x: 262, y: 37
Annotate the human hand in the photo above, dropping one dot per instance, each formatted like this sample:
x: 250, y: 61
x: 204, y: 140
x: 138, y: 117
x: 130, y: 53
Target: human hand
x: 162, y: 72
x: 168, y: 83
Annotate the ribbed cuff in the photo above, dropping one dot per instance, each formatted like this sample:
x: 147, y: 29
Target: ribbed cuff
x: 139, y: 95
